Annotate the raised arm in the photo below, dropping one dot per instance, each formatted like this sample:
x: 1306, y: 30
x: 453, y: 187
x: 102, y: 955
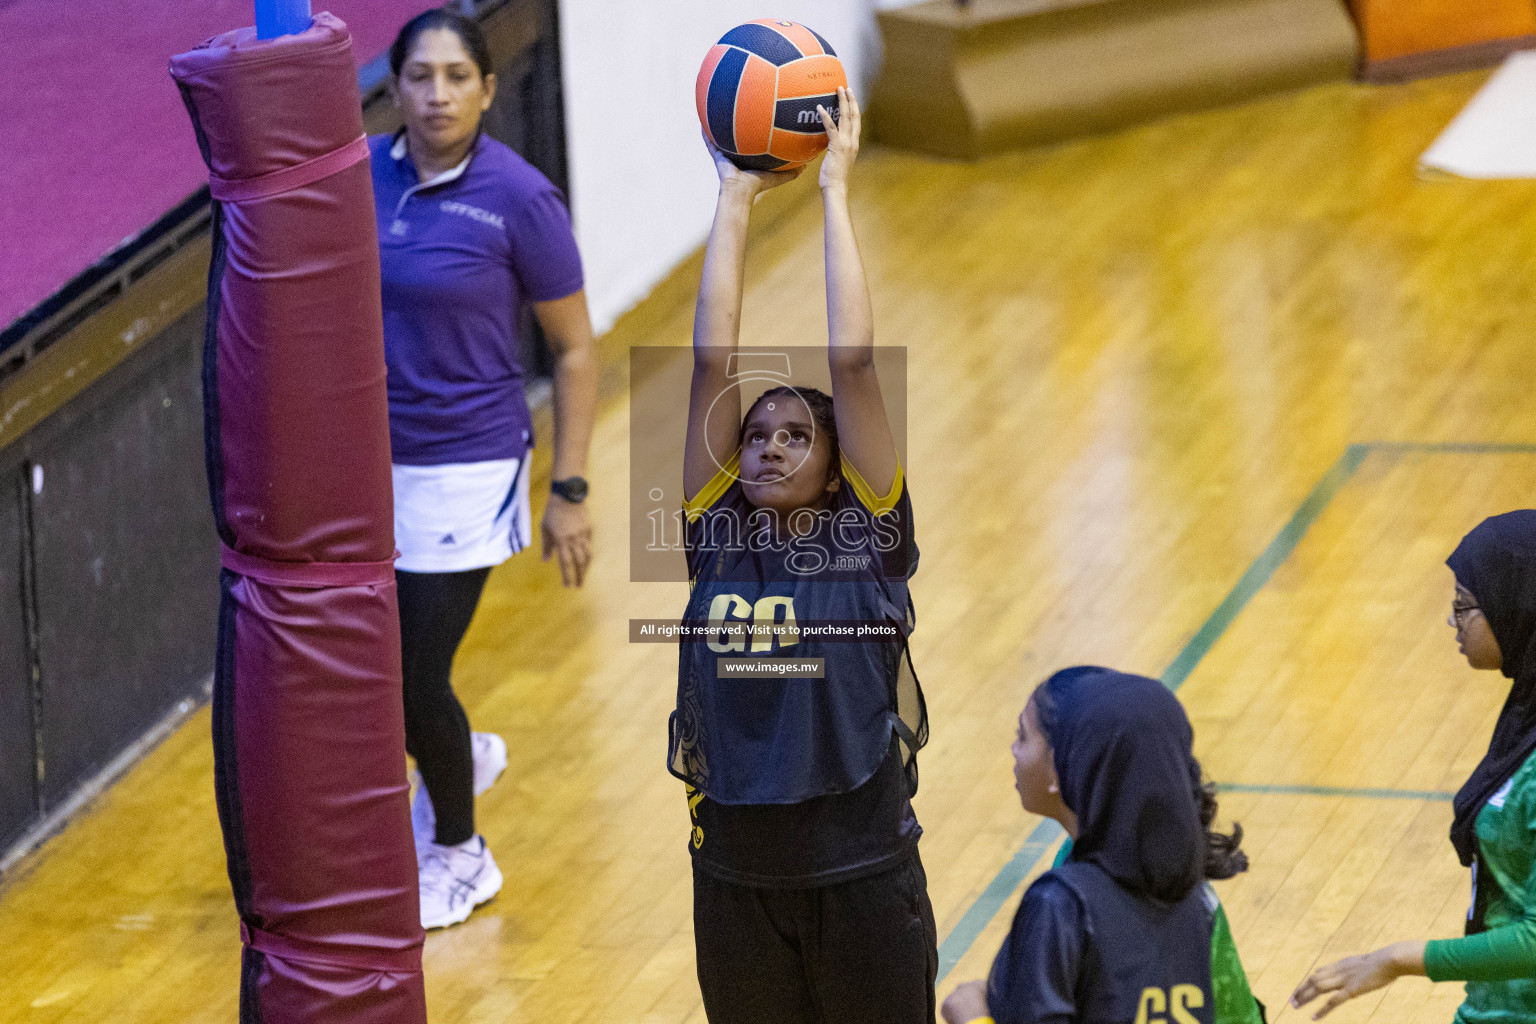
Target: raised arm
x: 863, y: 430
x: 714, y: 401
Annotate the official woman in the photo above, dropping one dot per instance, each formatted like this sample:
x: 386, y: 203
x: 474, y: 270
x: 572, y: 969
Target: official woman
x: 469, y: 232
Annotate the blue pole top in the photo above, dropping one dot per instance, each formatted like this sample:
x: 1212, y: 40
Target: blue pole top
x: 281, y: 18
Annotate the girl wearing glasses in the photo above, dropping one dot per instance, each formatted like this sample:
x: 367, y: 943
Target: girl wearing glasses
x: 1494, y: 832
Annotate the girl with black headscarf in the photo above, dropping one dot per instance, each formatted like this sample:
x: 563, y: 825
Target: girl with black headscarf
x: 1122, y: 929
x: 1494, y: 831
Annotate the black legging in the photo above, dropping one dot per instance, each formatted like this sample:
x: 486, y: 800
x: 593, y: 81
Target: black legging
x: 435, y: 609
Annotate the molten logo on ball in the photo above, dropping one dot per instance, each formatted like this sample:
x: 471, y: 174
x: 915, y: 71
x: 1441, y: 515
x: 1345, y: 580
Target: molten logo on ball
x: 758, y: 90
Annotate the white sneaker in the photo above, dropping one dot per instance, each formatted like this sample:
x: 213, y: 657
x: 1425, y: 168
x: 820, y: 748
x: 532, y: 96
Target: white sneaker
x: 455, y: 880
x: 490, y: 755
x: 489, y: 752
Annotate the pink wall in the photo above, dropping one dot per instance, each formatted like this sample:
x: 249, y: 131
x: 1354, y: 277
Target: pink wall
x: 97, y: 142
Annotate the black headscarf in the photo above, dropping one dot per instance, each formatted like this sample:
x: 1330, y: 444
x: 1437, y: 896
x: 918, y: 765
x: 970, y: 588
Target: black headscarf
x: 1497, y: 563
x: 1124, y: 757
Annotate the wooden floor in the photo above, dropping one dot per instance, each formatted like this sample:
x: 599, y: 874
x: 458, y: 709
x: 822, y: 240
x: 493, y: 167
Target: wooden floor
x: 1132, y: 360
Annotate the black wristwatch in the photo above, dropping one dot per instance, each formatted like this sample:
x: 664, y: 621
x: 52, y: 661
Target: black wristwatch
x: 572, y: 489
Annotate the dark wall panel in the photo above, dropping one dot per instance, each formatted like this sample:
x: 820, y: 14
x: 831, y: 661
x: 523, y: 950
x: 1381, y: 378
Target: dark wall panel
x: 126, y: 556
x: 17, y: 758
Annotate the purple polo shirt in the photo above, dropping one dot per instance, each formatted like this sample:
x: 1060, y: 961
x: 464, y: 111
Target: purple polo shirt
x: 459, y: 257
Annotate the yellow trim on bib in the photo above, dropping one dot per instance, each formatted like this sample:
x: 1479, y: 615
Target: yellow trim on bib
x: 866, y: 494
x: 715, y: 489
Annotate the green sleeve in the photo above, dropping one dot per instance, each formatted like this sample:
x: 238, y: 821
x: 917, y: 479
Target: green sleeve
x: 1499, y: 954
x: 1504, y: 952
x: 1229, y: 983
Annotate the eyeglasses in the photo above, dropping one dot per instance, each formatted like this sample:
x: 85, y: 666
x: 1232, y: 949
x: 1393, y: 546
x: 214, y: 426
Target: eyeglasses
x: 1460, y: 611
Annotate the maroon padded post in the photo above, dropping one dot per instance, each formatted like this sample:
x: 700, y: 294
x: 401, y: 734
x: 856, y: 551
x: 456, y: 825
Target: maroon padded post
x: 309, y: 733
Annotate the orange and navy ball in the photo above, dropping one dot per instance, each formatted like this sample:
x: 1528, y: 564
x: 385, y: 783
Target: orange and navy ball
x: 758, y: 91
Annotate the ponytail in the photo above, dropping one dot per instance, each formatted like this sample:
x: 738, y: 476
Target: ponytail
x: 1223, y: 858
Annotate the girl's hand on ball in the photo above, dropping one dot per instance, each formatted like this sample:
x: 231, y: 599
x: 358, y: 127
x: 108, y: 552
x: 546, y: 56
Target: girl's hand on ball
x: 842, y: 139
x: 750, y: 182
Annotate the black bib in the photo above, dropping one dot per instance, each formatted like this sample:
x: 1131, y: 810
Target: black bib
x: 840, y: 594
x: 1144, y: 962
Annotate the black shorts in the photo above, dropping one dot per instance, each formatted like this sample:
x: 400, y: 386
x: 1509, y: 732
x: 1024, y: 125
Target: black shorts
x: 849, y: 953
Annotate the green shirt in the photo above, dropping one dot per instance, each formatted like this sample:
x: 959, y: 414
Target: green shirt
x: 1499, y: 965
x: 1235, y: 1003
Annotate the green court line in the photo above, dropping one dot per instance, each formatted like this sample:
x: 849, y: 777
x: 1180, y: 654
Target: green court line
x: 995, y: 895
x: 992, y: 898
x: 1264, y: 566
x: 1362, y: 794
x: 1453, y: 447
x: 1012, y: 875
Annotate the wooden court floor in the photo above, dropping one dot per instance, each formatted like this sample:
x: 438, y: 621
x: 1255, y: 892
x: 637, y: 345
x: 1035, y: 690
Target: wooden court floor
x: 1212, y: 398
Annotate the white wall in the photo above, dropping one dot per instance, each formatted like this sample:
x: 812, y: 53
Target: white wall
x: 642, y: 188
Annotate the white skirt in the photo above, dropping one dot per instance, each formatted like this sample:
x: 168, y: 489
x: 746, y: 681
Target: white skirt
x: 466, y: 515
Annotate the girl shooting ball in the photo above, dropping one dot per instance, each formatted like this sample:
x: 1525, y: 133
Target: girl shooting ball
x: 810, y: 903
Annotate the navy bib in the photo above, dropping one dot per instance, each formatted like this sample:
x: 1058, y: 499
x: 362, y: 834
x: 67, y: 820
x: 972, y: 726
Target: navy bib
x: 836, y: 596
x: 1144, y: 962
